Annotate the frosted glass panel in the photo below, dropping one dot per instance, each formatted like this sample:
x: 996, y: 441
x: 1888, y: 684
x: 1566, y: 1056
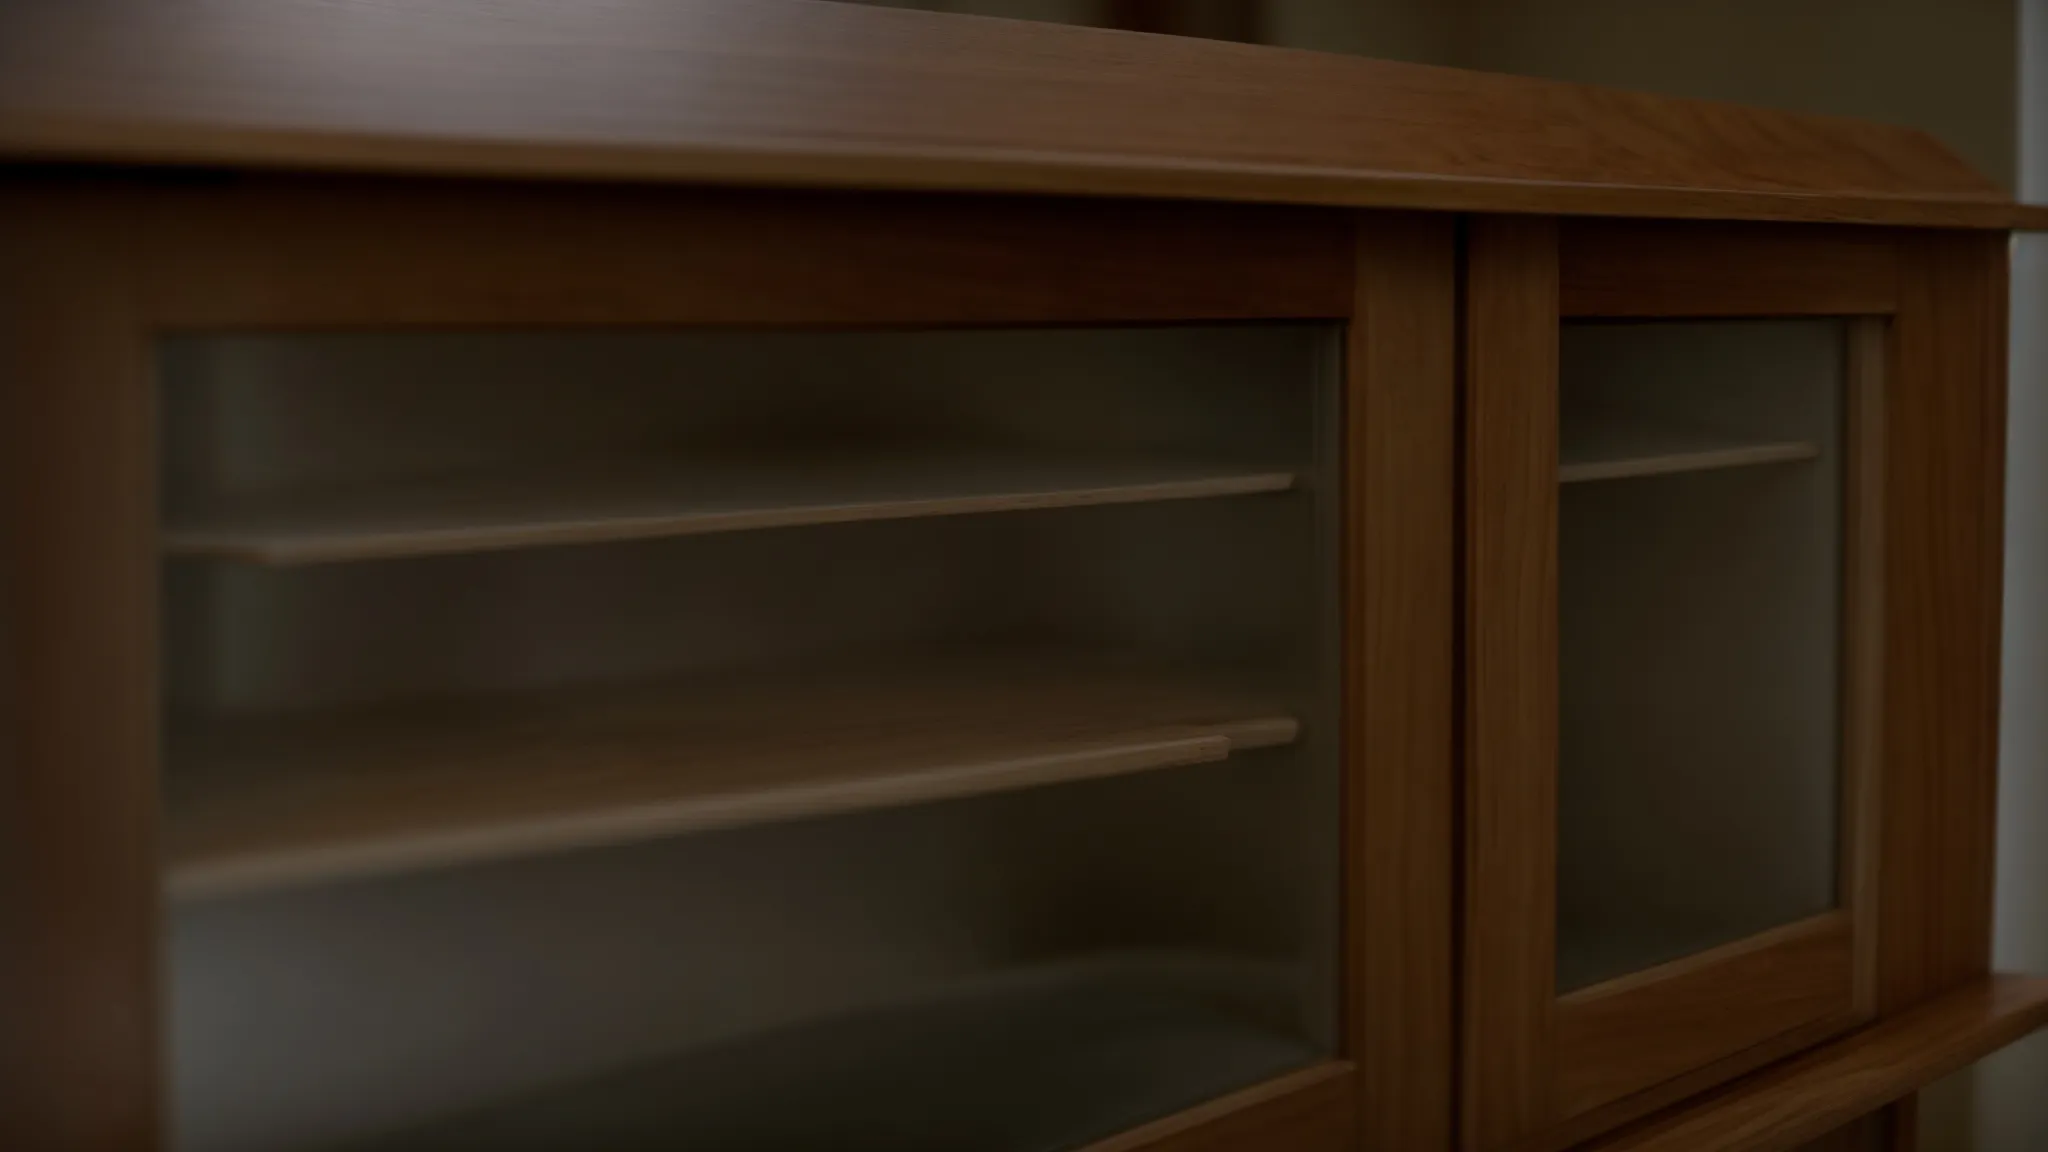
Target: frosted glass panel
x: 721, y: 740
x: 1700, y: 577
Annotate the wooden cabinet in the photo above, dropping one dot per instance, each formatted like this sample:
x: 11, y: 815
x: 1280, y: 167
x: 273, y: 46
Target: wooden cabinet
x: 1015, y: 603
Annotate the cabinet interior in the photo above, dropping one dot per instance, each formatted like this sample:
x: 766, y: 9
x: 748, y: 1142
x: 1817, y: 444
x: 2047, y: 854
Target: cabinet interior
x: 745, y: 739
x: 1700, y: 612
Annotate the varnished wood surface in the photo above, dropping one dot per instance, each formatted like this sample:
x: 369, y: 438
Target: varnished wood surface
x: 1629, y: 1034
x: 1645, y: 268
x: 802, y: 91
x: 352, y: 252
x: 1400, y: 649
x: 1944, y: 467
x: 1803, y: 1099
x: 79, y: 1039
x: 263, y: 802
x: 1511, y: 680
x: 1312, y: 1110
x: 661, y: 500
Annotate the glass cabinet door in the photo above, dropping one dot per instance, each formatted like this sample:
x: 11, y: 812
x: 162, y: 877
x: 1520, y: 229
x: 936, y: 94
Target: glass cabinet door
x: 1673, y: 562
x: 746, y: 740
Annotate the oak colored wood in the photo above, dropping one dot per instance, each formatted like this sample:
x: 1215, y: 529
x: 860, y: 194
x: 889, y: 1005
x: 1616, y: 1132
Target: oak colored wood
x: 348, y: 253
x: 667, y: 499
x: 1510, y: 679
x: 1644, y: 268
x: 263, y: 802
x: 1803, y: 1099
x: 798, y: 91
x: 1312, y: 1110
x: 1631, y: 1033
x: 79, y: 1046
x: 1944, y: 457
x: 1401, y: 435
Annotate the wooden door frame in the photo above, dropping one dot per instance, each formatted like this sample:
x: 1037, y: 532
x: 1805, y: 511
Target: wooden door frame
x: 1541, y: 1071
x: 110, y: 262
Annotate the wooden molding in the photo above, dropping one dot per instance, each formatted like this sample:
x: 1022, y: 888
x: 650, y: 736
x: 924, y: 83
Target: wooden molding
x: 779, y: 92
x: 1803, y: 1099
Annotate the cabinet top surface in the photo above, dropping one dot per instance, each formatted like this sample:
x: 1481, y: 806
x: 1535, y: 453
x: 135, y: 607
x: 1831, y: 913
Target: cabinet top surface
x: 810, y: 92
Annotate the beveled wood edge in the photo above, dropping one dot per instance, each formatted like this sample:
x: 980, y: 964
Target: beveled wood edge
x: 828, y: 164
x: 1653, y: 269
x: 1318, y: 1097
x: 1811, y: 963
x: 1803, y: 1099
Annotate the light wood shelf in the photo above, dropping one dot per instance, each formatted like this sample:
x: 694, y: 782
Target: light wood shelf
x: 648, y: 502
x: 263, y: 802
x: 1028, y: 1060
x: 1609, y: 447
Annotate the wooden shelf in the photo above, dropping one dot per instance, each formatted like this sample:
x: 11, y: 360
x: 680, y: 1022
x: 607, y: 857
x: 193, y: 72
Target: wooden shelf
x: 1035, y: 1060
x: 1612, y: 448
x: 263, y: 802
x: 1787, y: 1105
x: 640, y: 503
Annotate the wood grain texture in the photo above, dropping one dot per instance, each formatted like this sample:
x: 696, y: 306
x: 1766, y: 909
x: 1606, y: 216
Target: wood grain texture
x: 1863, y: 651
x: 1312, y: 1110
x: 1572, y: 1131
x: 1944, y: 471
x: 78, y: 780
x: 1628, y: 1034
x: 1510, y: 679
x: 1641, y: 268
x: 262, y: 802
x: 339, y: 253
x: 664, y: 499
x: 787, y: 91
x: 1400, y: 647
x: 1803, y: 1099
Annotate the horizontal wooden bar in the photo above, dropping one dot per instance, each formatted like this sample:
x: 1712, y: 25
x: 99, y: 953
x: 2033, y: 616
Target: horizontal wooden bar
x: 1641, y: 269
x: 1804, y: 1099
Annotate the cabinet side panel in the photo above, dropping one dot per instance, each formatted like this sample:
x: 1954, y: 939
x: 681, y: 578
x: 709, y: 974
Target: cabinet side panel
x: 1510, y: 678
x: 78, y: 1047
x: 1400, y: 557
x: 1944, y: 475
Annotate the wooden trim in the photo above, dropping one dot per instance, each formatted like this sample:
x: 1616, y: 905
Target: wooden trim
x: 1511, y: 690
x: 1312, y: 1110
x: 1628, y: 268
x: 1400, y: 420
x: 1803, y: 1099
x: 80, y: 1047
x: 783, y: 91
x: 1628, y: 1034
x: 1944, y: 458
x: 1570, y: 1132
x: 341, y: 253
x: 1863, y: 645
